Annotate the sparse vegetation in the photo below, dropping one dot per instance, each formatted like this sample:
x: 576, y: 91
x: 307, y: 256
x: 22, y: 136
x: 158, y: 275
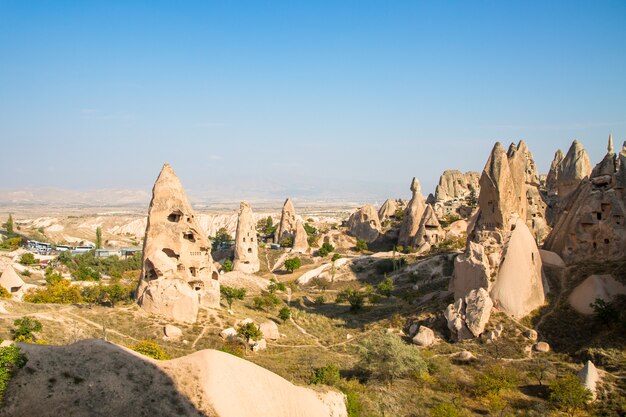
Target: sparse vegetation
x: 325, y: 249
x: 230, y: 294
x: 361, y: 245
x: 151, y: 349
x: 249, y: 331
x: 28, y: 259
x: 11, y: 359
x: 327, y: 375
x: 385, y: 287
x: 568, y: 394
x: 265, y: 301
x: 284, y: 314
x: 24, y: 329
x: 227, y: 266
x: 385, y: 357
x: 4, y: 293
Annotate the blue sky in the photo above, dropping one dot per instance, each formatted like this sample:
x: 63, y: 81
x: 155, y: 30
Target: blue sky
x: 300, y: 97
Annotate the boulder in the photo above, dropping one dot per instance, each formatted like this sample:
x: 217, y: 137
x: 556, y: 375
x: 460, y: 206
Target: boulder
x: 542, y: 347
x: 412, y: 215
x: 472, y: 270
x: 228, y: 333
x: 551, y: 258
x: 177, y: 274
x: 425, y: 337
x: 589, y: 377
x: 454, y: 315
x: 246, y: 257
x: 172, y: 331
x: 531, y: 334
x: 269, y: 330
x: 477, y: 311
x: 603, y: 287
x: 364, y: 224
x: 413, y: 329
x: 259, y: 345
x: 464, y: 356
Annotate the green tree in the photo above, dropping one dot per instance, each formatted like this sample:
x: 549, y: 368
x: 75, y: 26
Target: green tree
x: 151, y: 349
x: 117, y: 292
x: 9, y: 226
x: 221, y: 237
x: 293, y: 264
x: 325, y: 249
x: 276, y: 286
x: 265, y: 301
x: 355, y: 298
x: 494, y: 380
x: 11, y: 359
x: 361, y: 245
x: 384, y: 356
x: 230, y: 294
x: 386, y: 286
x: 320, y: 282
x: 28, y: 259
x: 284, y: 314
x: 472, y: 198
x: 98, y: 238
x: 25, y: 327
x: 249, y: 331
x: 52, y: 277
x: 568, y: 394
x: 61, y: 292
x: 227, y: 266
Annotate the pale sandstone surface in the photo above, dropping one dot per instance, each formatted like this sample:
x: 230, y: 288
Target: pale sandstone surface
x: 246, y: 258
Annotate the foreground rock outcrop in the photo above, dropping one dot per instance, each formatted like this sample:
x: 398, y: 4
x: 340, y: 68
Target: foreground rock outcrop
x: 177, y: 273
x: 97, y: 378
x: 246, y: 245
x: 591, y: 220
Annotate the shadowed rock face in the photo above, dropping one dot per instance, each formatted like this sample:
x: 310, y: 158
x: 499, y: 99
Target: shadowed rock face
x: 246, y: 246
x: 412, y: 216
x: 591, y: 224
x: 287, y: 225
x: 364, y: 224
x: 177, y: 273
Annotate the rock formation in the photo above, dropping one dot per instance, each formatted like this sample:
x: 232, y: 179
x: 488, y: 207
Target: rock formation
x: 177, y: 273
x: 468, y: 316
x: 246, y: 244
x: 287, y: 225
x: 591, y: 223
x: 501, y: 257
x: 12, y: 282
x: 430, y: 231
x: 589, y: 377
x: 454, y: 185
x: 604, y: 287
x: 553, y: 174
x: 572, y: 170
x: 300, y: 239
x: 389, y: 208
x: 364, y: 224
x: 412, y: 215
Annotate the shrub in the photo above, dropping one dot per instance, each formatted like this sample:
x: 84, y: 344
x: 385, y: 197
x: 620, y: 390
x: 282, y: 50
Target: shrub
x: 61, y: 292
x: 276, y: 286
x: 320, y: 300
x: 25, y: 273
x: 568, y: 394
x: 336, y: 256
x: 265, y: 301
x: 249, y: 331
x: 361, y: 245
x: 11, y: 243
x: 284, y: 314
x: 320, y: 282
x: 385, y: 266
x: 384, y: 356
x: 4, y: 293
x: 230, y: 294
x: 326, y: 249
x: 86, y: 266
x: 445, y: 410
x: 310, y: 230
x: 327, y: 375
x: 385, y: 287
x: 11, y: 359
x: 355, y: 298
x: 227, y: 266
x: 151, y: 349
x: 28, y: 259
x: 286, y: 242
x: 604, y: 312
x: 25, y: 327
x: 293, y: 264
x: 221, y: 237
x: 494, y: 380
x: 52, y: 277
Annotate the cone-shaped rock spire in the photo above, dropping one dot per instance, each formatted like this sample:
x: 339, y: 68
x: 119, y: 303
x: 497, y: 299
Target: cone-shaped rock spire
x: 412, y: 215
x: 246, y: 244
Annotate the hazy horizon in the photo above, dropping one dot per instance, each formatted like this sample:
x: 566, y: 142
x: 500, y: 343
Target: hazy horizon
x: 310, y: 100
